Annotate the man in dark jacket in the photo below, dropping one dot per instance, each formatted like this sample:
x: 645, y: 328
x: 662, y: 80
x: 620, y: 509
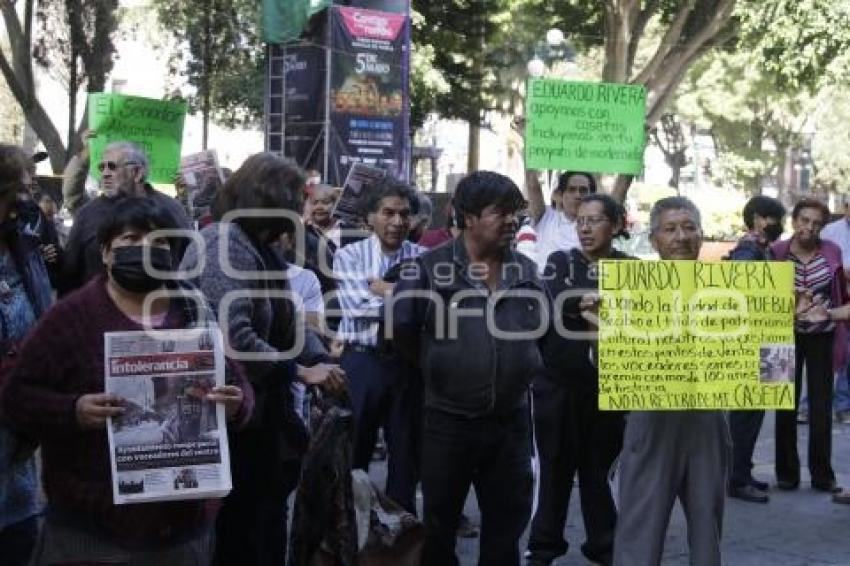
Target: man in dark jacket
x: 124, y: 169
x: 472, y: 313
x: 763, y: 217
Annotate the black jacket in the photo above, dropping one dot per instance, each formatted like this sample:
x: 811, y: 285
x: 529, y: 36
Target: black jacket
x: 566, y: 358
x: 469, y: 367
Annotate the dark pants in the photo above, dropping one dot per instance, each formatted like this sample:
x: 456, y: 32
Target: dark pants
x: 814, y: 351
x: 17, y: 542
x: 386, y: 393
x: 574, y: 436
x: 744, y: 426
x: 251, y: 526
x: 491, y: 453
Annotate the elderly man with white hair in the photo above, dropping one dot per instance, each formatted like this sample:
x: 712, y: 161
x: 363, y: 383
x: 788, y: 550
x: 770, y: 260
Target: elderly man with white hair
x: 123, y: 172
x: 669, y: 455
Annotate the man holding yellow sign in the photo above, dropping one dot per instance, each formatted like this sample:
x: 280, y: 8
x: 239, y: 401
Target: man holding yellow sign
x: 681, y: 341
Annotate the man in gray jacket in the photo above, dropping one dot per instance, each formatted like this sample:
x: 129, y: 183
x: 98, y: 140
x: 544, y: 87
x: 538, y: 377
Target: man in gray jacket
x: 471, y: 314
x: 669, y: 455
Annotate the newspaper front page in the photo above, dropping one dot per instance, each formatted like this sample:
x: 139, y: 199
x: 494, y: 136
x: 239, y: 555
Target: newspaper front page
x: 360, y: 178
x: 171, y: 442
x: 204, y: 178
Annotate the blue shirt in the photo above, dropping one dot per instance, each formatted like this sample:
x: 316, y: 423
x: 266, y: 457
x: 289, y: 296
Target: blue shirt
x: 18, y: 480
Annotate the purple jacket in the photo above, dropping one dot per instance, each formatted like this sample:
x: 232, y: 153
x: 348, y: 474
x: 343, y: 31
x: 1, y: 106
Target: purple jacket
x: 838, y: 296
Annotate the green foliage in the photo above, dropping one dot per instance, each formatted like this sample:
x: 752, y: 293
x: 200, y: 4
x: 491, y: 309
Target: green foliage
x: 753, y: 122
x: 474, y: 52
x: 796, y: 41
x: 426, y: 84
x: 831, y: 140
x: 221, y: 52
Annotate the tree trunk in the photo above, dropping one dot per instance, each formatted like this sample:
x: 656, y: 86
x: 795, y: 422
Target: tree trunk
x: 72, y: 106
x: 474, y: 147
x: 205, y: 104
x: 19, y: 76
x: 620, y: 15
x: 675, y: 175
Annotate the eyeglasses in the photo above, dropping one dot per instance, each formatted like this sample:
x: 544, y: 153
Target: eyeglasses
x: 590, y: 221
x: 112, y: 165
x: 579, y: 190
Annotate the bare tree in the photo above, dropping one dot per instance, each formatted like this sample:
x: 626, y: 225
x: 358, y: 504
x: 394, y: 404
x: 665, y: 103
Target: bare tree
x: 76, y: 34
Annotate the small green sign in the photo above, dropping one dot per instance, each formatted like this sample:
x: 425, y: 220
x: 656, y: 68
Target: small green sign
x: 154, y: 125
x: 578, y: 126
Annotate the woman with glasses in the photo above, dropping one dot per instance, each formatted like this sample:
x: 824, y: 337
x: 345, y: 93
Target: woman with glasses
x: 818, y: 273
x: 573, y: 435
x: 555, y: 223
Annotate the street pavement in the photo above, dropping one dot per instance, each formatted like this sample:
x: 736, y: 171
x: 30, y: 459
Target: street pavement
x: 797, y: 528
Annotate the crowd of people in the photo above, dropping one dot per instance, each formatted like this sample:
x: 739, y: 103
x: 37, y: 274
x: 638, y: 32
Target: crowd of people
x: 443, y: 341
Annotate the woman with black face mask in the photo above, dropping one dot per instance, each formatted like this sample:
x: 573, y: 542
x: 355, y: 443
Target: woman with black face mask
x: 245, y: 280
x: 55, y: 396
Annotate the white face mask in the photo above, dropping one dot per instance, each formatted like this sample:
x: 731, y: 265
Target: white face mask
x: 314, y: 180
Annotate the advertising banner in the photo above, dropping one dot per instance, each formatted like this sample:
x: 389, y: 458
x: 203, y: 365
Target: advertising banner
x: 685, y: 335
x: 303, y: 86
x: 368, y: 97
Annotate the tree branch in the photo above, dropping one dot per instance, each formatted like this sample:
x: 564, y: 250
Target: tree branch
x: 637, y: 32
x: 18, y: 90
x: 619, y: 16
x: 668, y: 90
x: 679, y: 58
x: 17, y: 42
x: 670, y: 39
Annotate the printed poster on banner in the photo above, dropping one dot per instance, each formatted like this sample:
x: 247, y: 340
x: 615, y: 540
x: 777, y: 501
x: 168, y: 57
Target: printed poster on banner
x: 368, y: 97
x: 296, y: 96
x: 360, y: 178
x: 685, y: 335
x: 203, y: 178
x: 156, y: 126
x: 582, y: 126
x: 171, y: 442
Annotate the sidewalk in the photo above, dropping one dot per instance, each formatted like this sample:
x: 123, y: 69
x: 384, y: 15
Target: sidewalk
x: 796, y: 528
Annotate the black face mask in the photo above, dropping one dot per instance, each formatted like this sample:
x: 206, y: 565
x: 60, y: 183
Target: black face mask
x: 128, y: 267
x: 772, y: 232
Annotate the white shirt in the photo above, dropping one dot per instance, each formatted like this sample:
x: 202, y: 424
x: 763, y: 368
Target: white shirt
x: 305, y: 284
x: 555, y: 232
x: 838, y: 232
x: 526, y: 242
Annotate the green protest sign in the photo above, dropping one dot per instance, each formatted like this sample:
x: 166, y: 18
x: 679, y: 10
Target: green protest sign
x: 577, y: 126
x: 154, y: 125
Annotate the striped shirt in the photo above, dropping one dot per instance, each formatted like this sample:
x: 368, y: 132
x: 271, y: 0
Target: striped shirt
x: 354, y: 265
x: 815, y: 276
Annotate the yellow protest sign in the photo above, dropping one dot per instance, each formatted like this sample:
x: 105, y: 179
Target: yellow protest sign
x: 676, y: 335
